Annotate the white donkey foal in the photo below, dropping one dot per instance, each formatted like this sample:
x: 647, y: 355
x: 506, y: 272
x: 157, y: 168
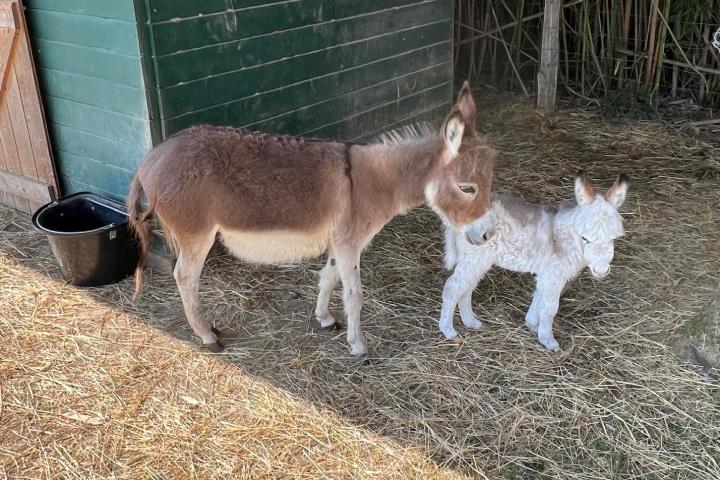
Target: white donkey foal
x: 554, y: 244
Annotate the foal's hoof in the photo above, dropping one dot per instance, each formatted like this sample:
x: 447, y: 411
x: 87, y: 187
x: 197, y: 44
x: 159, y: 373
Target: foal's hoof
x: 216, y: 331
x: 457, y: 340
x: 215, y: 347
x: 551, y: 345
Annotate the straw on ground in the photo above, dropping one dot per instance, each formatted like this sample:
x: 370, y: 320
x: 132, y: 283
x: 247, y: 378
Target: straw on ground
x: 92, y: 386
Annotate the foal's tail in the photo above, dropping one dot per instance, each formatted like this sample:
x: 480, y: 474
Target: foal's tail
x: 138, y: 219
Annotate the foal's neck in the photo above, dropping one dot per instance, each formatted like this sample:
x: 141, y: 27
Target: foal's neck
x: 399, y: 172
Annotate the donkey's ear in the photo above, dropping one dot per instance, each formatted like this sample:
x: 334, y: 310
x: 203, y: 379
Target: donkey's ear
x: 617, y: 193
x: 452, y: 131
x: 584, y: 192
x: 466, y: 104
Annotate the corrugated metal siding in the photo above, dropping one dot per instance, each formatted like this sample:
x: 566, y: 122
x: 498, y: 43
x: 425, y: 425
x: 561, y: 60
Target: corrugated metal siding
x: 91, y: 78
x: 335, y: 68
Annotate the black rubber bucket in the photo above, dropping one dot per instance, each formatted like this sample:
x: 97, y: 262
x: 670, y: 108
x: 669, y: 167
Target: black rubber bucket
x: 90, y: 238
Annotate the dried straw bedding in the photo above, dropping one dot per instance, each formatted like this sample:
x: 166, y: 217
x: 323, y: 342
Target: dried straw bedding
x: 93, y: 386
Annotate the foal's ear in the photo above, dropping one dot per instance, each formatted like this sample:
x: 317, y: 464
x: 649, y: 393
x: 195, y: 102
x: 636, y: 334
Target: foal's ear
x: 617, y: 193
x: 584, y: 192
x: 452, y: 131
x: 466, y: 104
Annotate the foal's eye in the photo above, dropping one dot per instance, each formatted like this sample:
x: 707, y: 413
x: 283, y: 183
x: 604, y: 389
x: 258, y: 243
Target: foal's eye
x: 468, y: 189
x: 585, y: 240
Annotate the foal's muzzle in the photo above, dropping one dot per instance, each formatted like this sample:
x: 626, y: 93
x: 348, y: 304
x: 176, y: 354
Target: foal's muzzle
x: 481, y: 230
x: 473, y: 240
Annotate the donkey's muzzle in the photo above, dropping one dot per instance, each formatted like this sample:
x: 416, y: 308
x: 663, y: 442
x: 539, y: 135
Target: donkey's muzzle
x: 477, y: 239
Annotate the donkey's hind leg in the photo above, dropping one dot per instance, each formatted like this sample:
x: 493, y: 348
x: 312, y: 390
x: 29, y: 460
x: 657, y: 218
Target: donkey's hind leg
x: 348, y: 260
x: 191, y: 258
x: 329, y: 278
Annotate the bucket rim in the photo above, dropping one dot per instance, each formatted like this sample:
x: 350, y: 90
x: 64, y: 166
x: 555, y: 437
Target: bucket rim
x: 99, y: 199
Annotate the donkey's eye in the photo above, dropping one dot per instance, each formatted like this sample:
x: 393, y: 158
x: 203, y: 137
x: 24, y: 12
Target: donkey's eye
x: 468, y: 189
x: 585, y: 240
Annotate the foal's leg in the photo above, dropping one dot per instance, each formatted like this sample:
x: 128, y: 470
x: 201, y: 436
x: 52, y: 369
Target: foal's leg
x: 329, y: 277
x: 466, y: 312
x: 348, y: 266
x: 458, y: 289
x: 547, y: 302
x: 191, y: 258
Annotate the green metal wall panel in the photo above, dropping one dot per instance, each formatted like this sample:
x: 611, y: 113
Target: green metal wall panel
x: 118, y: 76
x: 91, y: 77
x: 299, y: 66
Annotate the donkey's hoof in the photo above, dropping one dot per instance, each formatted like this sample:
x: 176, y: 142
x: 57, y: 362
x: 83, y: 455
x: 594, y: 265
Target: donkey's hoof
x: 457, y: 340
x: 216, y: 331
x: 473, y: 324
x: 332, y: 327
x: 363, y: 360
x: 326, y: 322
x: 215, y: 347
x: 551, y: 345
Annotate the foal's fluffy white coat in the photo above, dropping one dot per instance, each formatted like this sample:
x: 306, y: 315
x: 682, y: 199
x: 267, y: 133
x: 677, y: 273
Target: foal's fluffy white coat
x: 554, y: 244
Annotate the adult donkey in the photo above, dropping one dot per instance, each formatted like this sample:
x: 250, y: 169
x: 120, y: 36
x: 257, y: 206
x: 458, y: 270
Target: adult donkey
x: 278, y: 198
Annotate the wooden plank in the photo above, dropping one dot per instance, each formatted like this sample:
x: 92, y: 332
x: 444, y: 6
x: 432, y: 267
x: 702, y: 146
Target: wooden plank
x: 10, y: 151
x: 7, y: 15
x: 309, y: 15
x: 434, y: 114
x: 25, y: 187
x: 119, y: 10
x: 385, y: 114
x: 34, y: 116
x: 103, y: 123
x: 549, y: 57
x: 107, y: 34
x: 5, y: 198
x: 172, y: 10
x: 114, y: 67
x: 73, y: 185
x: 294, y: 86
x: 20, y: 126
x: 101, y: 93
x: 104, y: 150
x: 7, y: 39
x: 101, y: 176
x: 295, y: 51
x: 311, y: 116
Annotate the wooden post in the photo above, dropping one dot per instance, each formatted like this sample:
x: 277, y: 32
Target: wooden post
x: 549, y: 56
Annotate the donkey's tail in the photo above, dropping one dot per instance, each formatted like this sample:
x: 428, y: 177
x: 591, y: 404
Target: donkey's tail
x: 138, y: 219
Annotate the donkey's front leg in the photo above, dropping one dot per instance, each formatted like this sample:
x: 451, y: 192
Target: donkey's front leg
x: 547, y: 297
x: 329, y: 277
x: 348, y: 265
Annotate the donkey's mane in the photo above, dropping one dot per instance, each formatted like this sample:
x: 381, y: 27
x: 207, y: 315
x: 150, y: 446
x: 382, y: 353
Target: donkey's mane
x: 407, y: 133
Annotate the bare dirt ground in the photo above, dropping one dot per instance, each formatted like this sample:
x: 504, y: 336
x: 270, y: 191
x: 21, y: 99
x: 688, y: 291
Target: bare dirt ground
x: 94, y: 386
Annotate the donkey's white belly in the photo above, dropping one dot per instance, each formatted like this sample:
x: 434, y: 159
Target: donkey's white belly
x: 277, y: 246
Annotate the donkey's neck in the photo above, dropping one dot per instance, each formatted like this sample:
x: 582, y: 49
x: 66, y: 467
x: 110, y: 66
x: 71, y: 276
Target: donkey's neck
x: 396, y: 174
x: 566, y: 237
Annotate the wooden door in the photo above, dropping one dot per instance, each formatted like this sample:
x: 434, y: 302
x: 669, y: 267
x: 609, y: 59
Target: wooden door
x: 27, y: 174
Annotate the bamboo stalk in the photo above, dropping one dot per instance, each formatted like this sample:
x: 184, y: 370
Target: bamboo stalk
x: 650, y: 43
x: 660, y: 49
x: 625, y: 35
x: 509, y: 56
